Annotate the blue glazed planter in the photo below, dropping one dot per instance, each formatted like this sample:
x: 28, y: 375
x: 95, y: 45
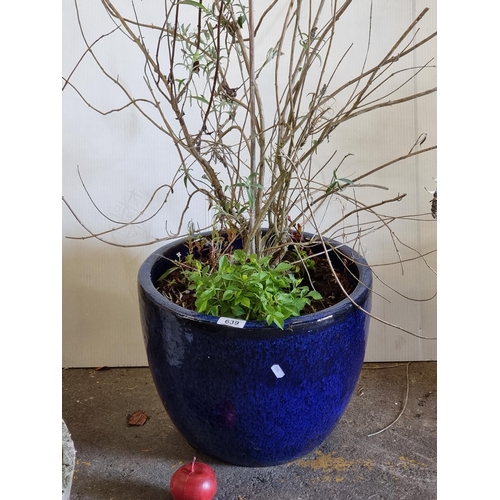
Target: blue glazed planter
x: 257, y: 395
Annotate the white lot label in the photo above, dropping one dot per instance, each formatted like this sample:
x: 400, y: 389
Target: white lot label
x: 235, y: 323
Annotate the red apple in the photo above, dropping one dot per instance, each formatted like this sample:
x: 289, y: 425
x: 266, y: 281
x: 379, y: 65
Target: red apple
x: 194, y: 481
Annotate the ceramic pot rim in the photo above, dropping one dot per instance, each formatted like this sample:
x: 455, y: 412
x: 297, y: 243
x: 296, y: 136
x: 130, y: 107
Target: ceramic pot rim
x: 362, y: 289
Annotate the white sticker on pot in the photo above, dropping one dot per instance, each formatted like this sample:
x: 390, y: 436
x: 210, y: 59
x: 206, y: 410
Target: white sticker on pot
x: 235, y: 323
x: 278, y: 371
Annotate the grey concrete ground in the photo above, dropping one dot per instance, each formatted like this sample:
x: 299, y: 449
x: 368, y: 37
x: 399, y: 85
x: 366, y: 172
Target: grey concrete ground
x: 118, y: 462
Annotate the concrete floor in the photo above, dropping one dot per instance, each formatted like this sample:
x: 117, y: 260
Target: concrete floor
x: 117, y: 462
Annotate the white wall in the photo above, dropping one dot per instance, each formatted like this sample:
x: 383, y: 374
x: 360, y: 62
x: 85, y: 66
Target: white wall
x: 123, y: 158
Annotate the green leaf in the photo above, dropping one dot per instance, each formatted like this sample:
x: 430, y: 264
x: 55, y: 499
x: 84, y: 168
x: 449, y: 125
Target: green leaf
x: 277, y: 318
x: 240, y: 256
x: 201, y: 305
x: 194, y: 4
x: 180, y: 82
x: 238, y: 311
x: 207, y: 294
x: 282, y: 267
x: 315, y: 295
x: 245, y: 301
x: 166, y: 273
x: 199, y: 98
x: 347, y: 181
x: 214, y: 311
x: 223, y: 263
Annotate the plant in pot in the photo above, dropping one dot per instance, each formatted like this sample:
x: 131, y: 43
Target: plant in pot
x: 255, y: 324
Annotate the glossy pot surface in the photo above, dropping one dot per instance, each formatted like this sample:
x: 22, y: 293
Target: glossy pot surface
x: 247, y: 393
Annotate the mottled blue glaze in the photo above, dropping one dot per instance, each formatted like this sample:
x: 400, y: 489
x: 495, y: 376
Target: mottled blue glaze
x: 218, y: 385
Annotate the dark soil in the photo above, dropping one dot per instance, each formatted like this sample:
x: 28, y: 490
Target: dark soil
x: 176, y: 288
x: 327, y: 285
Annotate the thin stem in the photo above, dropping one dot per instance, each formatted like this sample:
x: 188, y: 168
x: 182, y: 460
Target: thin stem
x: 402, y: 409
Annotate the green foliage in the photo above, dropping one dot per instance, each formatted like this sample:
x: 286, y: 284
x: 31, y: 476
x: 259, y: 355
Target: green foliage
x: 246, y: 287
x: 338, y: 184
x: 249, y: 185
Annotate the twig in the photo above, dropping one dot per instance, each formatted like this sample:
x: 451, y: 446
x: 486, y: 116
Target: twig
x: 402, y: 410
x: 66, y: 80
x: 344, y: 291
